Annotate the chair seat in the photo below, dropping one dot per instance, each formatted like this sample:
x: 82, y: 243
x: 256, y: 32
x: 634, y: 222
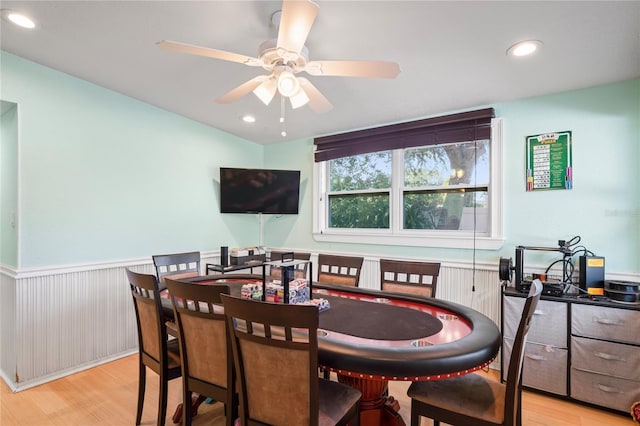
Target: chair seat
x: 336, y: 402
x: 470, y: 395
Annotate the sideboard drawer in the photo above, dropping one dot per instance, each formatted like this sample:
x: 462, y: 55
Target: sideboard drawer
x: 544, y: 368
x: 548, y: 326
x: 611, y: 324
x: 608, y: 358
x: 607, y: 391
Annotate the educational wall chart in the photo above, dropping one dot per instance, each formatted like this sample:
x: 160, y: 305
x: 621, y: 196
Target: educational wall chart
x: 548, y: 161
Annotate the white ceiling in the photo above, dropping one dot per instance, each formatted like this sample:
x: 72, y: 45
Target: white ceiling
x: 451, y: 55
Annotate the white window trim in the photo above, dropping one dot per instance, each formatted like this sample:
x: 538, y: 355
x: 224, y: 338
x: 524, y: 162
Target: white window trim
x: 492, y: 240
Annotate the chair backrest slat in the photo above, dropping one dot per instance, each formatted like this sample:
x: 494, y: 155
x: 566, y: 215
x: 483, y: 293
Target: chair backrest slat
x: 155, y: 351
x: 343, y: 270
x: 176, y: 266
x: 420, y: 278
x: 150, y: 320
x: 275, y: 349
x: 300, y: 271
x: 205, y: 346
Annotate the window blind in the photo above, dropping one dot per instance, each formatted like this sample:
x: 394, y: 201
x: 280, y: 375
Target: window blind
x: 461, y: 127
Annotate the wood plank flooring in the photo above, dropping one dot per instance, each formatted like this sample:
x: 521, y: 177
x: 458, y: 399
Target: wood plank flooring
x: 107, y: 395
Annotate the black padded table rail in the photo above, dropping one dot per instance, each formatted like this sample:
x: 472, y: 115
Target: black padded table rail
x: 362, y: 319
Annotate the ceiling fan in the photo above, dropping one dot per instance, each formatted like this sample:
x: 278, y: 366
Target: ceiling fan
x: 285, y: 57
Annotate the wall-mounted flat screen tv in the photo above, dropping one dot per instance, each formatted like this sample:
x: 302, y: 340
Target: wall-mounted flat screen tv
x: 259, y: 191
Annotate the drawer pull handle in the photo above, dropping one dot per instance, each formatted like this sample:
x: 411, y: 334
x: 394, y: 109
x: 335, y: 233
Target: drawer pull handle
x: 608, y: 389
x: 607, y: 321
x: 536, y: 357
x: 607, y: 356
x: 538, y: 312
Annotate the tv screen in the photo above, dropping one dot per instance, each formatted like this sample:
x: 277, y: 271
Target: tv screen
x: 259, y: 191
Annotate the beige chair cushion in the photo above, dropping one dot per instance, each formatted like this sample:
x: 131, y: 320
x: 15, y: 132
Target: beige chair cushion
x: 330, y: 278
x: 207, y: 356
x: 275, y: 376
x: 417, y: 289
x: 181, y: 275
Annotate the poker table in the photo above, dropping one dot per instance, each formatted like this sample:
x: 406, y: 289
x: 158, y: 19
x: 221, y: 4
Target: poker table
x: 369, y: 337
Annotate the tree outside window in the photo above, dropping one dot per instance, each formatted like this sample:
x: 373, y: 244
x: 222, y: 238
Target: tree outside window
x: 359, y: 188
x: 444, y: 187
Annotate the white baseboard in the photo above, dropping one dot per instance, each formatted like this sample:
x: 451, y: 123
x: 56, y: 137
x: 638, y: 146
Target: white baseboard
x: 17, y: 387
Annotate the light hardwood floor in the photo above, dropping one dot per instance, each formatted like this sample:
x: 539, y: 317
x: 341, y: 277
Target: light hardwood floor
x: 107, y: 395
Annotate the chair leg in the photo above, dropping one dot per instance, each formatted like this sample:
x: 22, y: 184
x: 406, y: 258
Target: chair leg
x: 162, y: 401
x: 230, y: 414
x: 519, y: 406
x: 231, y: 410
x: 355, y: 421
x: 187, y: 412
x: 415, y: 417
x: 142, y: 382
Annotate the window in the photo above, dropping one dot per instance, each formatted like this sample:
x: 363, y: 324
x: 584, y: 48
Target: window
x: 436, y: 194
x: 359, y: 191
x: 446, y: 186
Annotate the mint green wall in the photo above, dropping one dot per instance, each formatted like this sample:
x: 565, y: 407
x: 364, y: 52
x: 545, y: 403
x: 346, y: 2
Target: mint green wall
x: 105, y: 177
x: 603, y: 207
x: 9, y: 186
x: 292, y: 230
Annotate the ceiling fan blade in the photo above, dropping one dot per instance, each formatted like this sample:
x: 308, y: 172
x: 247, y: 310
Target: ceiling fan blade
x: 317, y: 101
x: 191, y: 49
x: 295, y: 23
x: 243, y: 89
x: 373, y: 69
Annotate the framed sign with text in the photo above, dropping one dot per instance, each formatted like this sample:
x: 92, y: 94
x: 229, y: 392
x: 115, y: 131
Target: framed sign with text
x: 549, y: 161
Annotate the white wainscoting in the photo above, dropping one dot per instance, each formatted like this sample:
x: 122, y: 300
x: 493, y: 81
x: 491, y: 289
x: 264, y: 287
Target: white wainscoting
x: 455, y: 284
x: 7, y: 324
x: 57, y: 321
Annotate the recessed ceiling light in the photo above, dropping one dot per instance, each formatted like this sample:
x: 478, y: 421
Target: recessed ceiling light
x: 18, y: 18
x: 248, y: 118
x: 524, y: 48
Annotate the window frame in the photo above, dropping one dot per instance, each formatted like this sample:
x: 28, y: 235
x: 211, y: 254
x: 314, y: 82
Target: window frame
x: 395, y: 235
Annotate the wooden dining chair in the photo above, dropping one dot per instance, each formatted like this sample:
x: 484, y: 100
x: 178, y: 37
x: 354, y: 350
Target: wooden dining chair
x: 275, y: 351
x: 343, y: 270
x: 419, y: 278
x: 300, y: 272
x: 205, y: 349
x: 177, y: 266
x: 155, y: 352
x: 473, y: 400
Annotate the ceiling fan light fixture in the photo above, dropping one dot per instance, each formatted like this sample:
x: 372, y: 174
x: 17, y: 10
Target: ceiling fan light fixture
x: 266, y: 91
x: 288, y: 84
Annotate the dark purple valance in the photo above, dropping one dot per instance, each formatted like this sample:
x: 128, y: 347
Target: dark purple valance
x: 462, y: 127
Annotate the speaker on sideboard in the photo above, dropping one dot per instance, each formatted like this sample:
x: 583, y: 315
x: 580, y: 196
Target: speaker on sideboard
x: 224, y: 256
